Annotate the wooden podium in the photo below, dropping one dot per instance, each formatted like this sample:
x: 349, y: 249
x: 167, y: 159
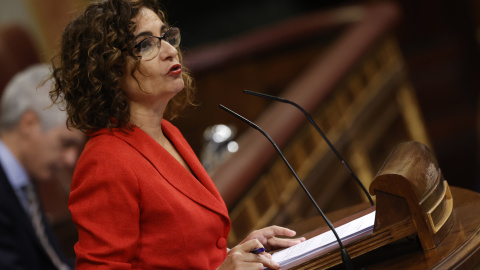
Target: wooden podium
x: 420, y: 223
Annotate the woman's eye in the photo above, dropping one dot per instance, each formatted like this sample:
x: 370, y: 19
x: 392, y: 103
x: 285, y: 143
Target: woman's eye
x: 146, y: 44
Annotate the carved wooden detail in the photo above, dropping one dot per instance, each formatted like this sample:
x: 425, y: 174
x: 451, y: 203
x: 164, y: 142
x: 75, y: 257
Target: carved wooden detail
x: 412, y: 181
x: 346, y: 70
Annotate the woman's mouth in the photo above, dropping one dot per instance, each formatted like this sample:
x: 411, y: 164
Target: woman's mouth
x: 175, y: 70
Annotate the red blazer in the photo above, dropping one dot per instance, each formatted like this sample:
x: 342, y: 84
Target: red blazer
x: 136, y: 207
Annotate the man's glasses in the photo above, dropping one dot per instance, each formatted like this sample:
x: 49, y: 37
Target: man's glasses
x: 148, y: 48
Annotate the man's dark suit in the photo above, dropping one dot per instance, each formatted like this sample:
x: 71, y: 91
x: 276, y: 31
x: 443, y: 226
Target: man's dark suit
x: 20, y: 248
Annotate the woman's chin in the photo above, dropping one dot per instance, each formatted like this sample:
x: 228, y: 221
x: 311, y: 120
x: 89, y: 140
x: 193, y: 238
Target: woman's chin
x: 178, y: 87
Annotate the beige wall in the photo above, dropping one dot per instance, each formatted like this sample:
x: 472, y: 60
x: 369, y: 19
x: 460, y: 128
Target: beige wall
x: 44, y: 19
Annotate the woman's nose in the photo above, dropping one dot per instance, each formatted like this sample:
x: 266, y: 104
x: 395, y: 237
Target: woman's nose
x: 167, y: 51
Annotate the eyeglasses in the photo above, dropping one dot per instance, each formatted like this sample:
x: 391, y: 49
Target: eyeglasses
x: 148, y: 48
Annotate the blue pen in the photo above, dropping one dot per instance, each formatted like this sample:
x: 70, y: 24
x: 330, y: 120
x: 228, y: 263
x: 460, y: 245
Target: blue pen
x: 258, y: 250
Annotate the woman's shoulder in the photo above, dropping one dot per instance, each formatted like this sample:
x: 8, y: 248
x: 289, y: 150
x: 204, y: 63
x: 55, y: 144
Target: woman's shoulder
x: 106, y: 142
x: 104, y: 136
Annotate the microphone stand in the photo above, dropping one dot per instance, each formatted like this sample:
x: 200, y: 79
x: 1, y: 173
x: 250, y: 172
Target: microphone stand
x: 345, y: 257
x: 319, y: 131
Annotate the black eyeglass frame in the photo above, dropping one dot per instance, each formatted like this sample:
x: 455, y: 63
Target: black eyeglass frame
x: 164, y: 37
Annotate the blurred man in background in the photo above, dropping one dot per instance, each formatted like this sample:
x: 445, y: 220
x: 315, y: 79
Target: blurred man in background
x: 35, y: 146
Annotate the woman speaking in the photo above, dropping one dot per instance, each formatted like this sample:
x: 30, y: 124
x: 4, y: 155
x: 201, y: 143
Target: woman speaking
x: 140, y: 197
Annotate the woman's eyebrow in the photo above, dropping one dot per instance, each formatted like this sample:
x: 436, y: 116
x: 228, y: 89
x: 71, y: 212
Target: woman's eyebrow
x: 163, y: 29
x: 144, y: 34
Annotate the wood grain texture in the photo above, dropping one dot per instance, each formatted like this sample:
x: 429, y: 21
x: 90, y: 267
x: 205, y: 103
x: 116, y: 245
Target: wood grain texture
x: 411, y: 175
x: 460, y: 249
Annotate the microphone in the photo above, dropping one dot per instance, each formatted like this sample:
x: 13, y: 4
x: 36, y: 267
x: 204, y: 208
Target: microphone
x: 345, y: 257
x: 319, y: 131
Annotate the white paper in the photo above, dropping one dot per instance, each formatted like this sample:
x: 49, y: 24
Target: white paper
x: 324, y: 242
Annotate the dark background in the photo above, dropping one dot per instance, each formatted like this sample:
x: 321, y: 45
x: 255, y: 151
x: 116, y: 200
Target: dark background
x: 438, y: 39
x: 202, y: 22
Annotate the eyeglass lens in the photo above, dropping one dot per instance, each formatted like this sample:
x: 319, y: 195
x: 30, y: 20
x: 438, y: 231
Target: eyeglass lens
x: 148, y: 48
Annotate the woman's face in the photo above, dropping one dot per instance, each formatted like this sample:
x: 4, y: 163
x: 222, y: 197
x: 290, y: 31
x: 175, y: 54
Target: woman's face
x: 161, y: 77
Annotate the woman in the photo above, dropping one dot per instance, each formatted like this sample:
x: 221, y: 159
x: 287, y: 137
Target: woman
x: 139, y: 197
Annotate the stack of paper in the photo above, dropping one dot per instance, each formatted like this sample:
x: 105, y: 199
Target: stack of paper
x: 324, y: 242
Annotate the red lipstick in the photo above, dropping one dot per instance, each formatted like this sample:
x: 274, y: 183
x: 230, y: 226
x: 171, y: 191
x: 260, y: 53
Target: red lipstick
x: 175, y: 70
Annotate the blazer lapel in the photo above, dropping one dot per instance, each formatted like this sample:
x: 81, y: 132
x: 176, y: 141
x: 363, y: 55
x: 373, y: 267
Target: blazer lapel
x: 191, y: 159
x: 202, y: 191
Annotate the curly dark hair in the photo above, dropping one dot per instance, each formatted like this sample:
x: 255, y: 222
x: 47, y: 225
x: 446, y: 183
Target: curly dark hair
x: 94, y: 50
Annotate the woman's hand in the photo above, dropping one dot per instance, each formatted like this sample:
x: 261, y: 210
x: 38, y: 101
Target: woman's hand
x: 240, y: 257
x: 267, y: 238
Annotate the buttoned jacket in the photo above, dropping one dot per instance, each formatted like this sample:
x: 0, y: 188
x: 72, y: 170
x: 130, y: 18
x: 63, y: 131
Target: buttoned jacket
x: 136, y: 207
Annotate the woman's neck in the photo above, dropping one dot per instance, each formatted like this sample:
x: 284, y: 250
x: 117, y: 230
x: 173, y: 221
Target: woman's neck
x: 151, y: 123
x: 149, y: 120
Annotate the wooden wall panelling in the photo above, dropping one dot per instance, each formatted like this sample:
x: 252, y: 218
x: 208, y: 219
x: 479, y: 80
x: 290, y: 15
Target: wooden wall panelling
x: 367, y: 89
x: 348, y: 84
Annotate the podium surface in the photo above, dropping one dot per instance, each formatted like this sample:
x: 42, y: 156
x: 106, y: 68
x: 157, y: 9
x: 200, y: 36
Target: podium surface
x: 460, y: 249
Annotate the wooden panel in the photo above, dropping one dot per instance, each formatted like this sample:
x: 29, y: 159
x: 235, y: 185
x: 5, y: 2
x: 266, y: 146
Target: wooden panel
x: 363, y: 115
x: 349, y: 76
x: 459, y: 250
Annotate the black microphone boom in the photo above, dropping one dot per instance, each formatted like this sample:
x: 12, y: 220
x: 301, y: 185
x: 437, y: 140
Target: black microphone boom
x: 319, y: 131
x: 345, y: 257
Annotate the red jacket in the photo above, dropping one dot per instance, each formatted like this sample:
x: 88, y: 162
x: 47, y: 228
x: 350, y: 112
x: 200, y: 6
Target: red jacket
x: 136, y: 207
